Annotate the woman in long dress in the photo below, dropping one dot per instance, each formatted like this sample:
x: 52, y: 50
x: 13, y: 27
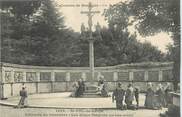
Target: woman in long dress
x: 150, y: 101
x: 168, y: 96
x: 161, y: 96
x: 75, y: 88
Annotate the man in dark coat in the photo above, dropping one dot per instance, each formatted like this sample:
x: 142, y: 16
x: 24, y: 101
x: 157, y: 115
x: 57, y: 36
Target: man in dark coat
x: 81, y: 88
x: 118, y: 95
x: 137, y: 96
x: 23, y: 94
x: 161, y: 96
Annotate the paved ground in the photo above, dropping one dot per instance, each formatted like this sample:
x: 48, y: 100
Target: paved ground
x: 62, y: 102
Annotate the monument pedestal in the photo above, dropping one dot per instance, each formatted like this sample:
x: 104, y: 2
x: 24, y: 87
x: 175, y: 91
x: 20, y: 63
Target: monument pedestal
x: 91, y: 91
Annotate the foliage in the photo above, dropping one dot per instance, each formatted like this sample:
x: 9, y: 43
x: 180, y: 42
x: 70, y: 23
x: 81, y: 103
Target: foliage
x: 160, y: 15
x: 151, y: 17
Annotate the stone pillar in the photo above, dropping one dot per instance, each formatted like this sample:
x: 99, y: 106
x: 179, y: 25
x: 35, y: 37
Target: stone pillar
x: 160, y: 75
x: 12, y: 81
x: 12, y: 76
x: 84, y: 76
x: 52, y: 76
x: 146, y: 76
x: 67, y: 80
x: 38, y: 76
x: 2, y: 81
x: 37, y: 82
x: 52, y: 80
x: 131, y: 76
x: 68, y: 76
x: 115, y: 78
x: 3, y: 76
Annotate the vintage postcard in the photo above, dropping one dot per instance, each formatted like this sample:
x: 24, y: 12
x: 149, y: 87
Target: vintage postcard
x: 90, y: 58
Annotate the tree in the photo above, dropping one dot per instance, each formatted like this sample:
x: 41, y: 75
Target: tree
x: 126, y: 48
x: 154, y: 16
x: 15, y: 22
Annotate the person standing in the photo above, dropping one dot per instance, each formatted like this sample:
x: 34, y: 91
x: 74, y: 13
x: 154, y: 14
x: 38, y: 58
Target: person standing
x: 168, y: 96
x: 161, y: 96
x: 118, y: 95
x: 23, y: 94
x: 129, y: 97
x: 75, y: 88
x: 137, y: 96
x: 149, y: 100
x: 81, y: 88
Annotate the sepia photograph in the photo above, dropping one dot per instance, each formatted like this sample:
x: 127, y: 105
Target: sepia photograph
x: 90, y: 58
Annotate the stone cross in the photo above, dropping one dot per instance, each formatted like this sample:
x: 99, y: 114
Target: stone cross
x: 90, y: 14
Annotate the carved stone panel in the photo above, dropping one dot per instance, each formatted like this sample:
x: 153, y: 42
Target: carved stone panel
x: 89, y: 76
x: 167, y: 75
x: 108, y: 76
x: 60, y: 76
x: 18, y: 76
x: 31, y: 76
x: 123, y: 76
x: 75, y: 76
x: 153, y: 75
x: 138, y: 76
x: 7, y: 76
x: 45, y: 76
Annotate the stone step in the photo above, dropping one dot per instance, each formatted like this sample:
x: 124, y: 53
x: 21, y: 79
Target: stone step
x: 91, y: 91
x: 91, y: 95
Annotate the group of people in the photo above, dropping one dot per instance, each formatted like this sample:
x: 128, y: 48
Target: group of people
x: 155, y: 99
x: 119, y: 95
x: 102, y: 87
x: 79, y: 88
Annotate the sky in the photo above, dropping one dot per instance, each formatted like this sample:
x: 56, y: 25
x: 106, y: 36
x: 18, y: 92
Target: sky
x: 74, y: 19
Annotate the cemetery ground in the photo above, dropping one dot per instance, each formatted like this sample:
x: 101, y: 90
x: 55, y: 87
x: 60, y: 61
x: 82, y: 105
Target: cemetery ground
x: 61, y: 105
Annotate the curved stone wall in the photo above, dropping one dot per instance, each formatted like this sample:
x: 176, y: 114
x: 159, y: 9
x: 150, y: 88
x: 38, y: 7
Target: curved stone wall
x: 41, y: 79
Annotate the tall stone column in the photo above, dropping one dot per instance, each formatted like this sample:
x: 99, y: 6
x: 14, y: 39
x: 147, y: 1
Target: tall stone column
x: 91, y: 58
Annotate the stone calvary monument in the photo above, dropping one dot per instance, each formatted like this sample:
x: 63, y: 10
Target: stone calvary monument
x: 42, y: 79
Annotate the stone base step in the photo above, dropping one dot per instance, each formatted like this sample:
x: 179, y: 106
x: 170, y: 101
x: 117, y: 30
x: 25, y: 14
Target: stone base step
x: 91, y: 96
x: 91, y: 91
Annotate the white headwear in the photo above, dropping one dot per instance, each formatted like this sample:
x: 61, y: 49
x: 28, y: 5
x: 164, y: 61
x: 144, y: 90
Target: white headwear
x: 149, y: 84
x: 160, y: 86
